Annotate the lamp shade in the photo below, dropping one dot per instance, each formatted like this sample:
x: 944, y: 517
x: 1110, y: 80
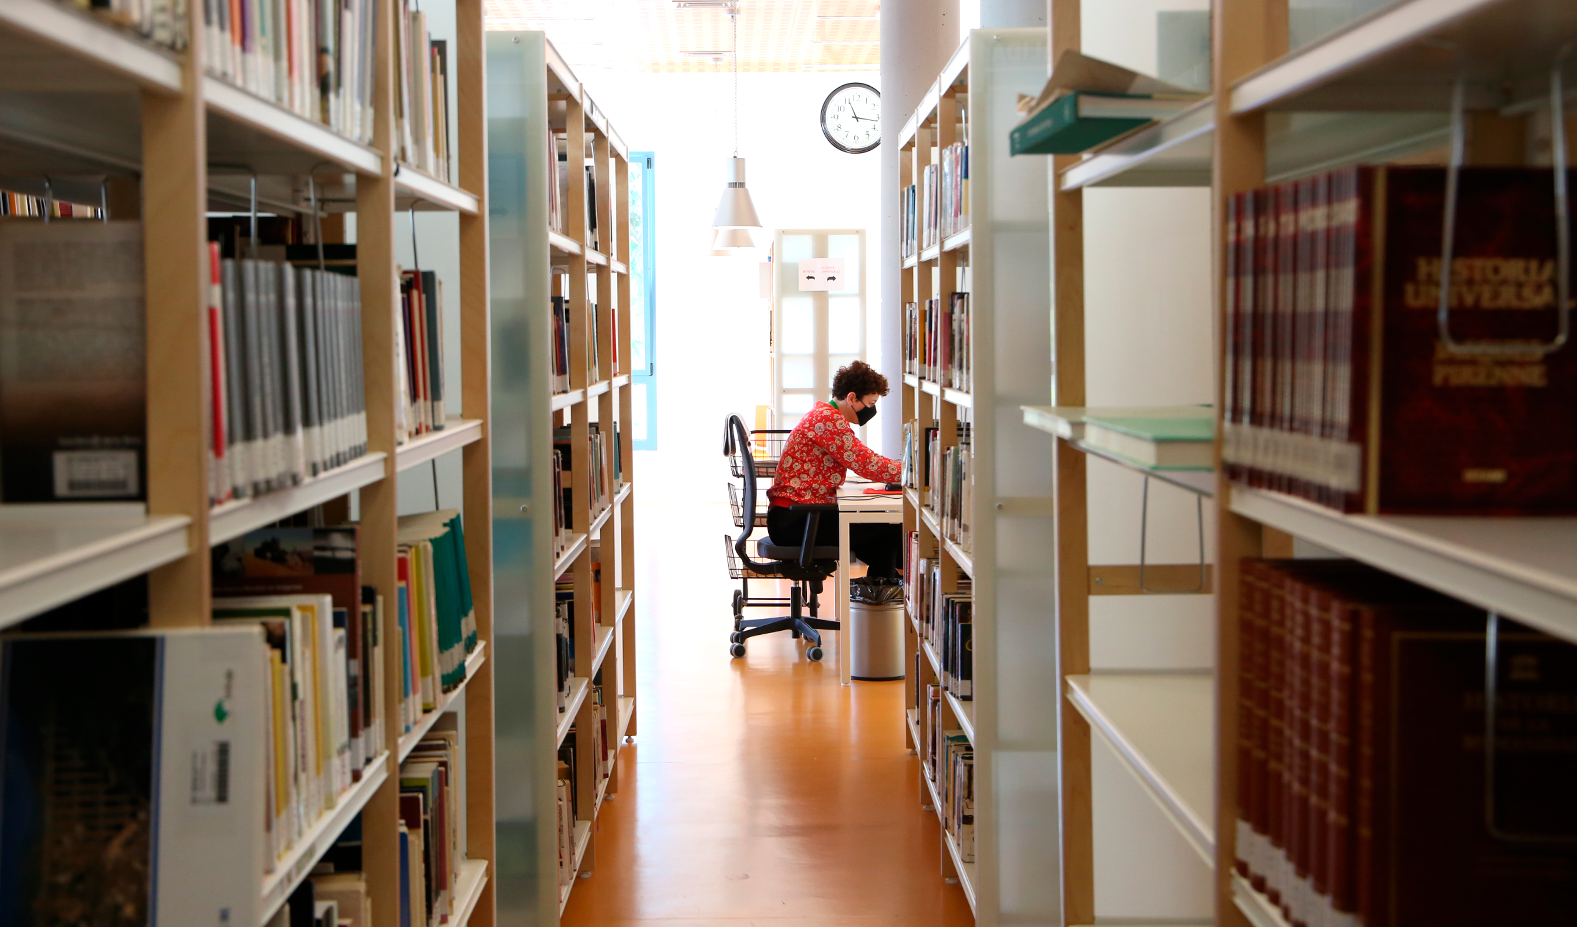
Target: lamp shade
x: 732, y: 243
x: 735, y: 210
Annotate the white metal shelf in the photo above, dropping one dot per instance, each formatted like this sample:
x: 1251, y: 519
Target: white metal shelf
x: 297, y: 863
x: 623, y: 598
x: 58, y: 31
x: 931, y: 253
x: 962, y: 558
x: 964, y: 712
x: 561, y: 242
x: 604, y: 644
x: 602, y: 518
x: 956, y: 240
x: 1057, y: 422
x: 618, y: 267
x: 578, y: 687
x: 582, y: 838
x: 1255, y: 907
x: 909, y: 262
x: 626, y: 712
x: 411, y: 738
x: 1405, y: 56
x: 594, y: 256
x: 468, y: 891
x: 456, y: 433
x: 51, y: 554
x: 966, y: 871
x: 245, y: 128
x: 622, y: 379
x: 441, y: 194
x: 597, y: 388
x: 565, y: 400
x: 233, y: 519
x: 1523, y: 568
x: 1162, y: 727
x: 1175, y: 152
x: 575, y: 547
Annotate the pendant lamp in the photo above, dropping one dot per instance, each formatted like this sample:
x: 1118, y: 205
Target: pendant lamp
x: 733, y: 243
x: 735, y: 210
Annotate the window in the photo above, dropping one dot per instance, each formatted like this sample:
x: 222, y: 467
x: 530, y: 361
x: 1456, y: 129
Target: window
x: 816, y: 332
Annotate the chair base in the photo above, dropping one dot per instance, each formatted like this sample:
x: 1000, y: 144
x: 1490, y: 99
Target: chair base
x: 796, y: 623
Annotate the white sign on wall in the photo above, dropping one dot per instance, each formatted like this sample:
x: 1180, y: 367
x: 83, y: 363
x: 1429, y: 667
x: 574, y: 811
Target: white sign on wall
x: 820, y: 274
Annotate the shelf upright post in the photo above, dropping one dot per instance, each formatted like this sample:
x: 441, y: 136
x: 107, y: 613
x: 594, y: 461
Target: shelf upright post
x: 911, y: 404
x: 625, y: 516
x: 1245, y: 34
x: 175, y: 261
x: 1070, y: 520
x: 476, y: 458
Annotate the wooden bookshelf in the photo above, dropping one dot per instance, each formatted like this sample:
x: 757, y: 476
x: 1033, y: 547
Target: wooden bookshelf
x: 531, y: 90
x: 1275, y: 115
x: 159, y: 118
x: 1006, y: 219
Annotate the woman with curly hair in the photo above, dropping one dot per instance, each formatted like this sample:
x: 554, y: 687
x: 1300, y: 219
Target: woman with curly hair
x: 820, y: 450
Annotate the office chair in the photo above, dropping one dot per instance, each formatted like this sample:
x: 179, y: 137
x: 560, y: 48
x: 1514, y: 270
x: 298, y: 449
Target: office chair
x: 805, y: 564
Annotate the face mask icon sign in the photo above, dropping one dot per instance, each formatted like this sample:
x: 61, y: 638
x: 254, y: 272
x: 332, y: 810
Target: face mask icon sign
x: 820, y: 274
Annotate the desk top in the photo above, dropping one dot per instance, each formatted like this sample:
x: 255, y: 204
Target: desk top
x: 852, y: 498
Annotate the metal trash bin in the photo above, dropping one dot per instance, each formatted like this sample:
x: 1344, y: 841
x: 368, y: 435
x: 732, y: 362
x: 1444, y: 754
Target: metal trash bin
x: 876, y: 640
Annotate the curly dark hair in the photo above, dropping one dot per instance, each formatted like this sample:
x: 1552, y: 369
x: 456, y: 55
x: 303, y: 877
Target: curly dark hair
x: 858, y: 378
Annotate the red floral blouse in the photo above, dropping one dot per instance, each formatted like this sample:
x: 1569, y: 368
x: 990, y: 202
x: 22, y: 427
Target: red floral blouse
x: 818, y: 451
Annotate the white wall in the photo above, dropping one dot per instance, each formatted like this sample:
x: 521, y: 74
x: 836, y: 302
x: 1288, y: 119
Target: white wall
x: 711, y: 337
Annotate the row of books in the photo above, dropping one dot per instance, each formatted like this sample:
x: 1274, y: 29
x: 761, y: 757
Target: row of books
x: 1341, y: 386
x: 335, y: 894
x: 161, y: 21
x: 945, y: 618
x: 952, y: 494
x: 23, y: 205
x: 286, y: 395
x: 937, y: 206
x: 599, y: 480
x: 949, y: 760
x: 558, y: 190
x: 936, y: 341
x: 313, y: 58
x: 1372, y: 786
x: 420, y: 345
x: 431, y: 815
x: 561, y: 344
x: 421, y: 103
x: 435, y: 610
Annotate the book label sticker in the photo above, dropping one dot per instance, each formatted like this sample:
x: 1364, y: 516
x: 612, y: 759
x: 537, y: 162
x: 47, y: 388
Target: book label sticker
x: 95, y: 474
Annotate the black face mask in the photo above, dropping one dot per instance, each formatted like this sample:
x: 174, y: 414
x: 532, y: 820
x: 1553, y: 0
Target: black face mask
x: 865, y: 414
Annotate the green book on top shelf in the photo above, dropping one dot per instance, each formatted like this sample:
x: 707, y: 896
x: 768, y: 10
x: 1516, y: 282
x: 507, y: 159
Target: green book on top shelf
x: 1175, y: 438
x: 1088, y: 102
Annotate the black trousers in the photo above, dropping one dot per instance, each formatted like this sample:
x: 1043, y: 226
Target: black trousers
x: 878, y: 546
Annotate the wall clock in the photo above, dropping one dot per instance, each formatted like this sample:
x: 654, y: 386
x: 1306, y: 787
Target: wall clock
x: 851, y: 118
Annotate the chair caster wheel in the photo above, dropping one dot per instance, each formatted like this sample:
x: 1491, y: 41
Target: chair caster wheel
x: 814, y: 654
x: 733, y: 638
x: 739, y: 598
x: 737, y: 650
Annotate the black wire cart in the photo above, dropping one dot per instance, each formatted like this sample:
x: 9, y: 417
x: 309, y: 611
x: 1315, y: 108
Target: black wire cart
x: 767, y: 446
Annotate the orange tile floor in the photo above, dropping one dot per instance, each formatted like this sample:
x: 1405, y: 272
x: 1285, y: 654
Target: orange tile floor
x: 759, y: 791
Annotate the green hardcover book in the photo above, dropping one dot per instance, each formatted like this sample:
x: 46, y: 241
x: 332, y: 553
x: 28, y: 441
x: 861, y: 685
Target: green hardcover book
x: 1181, y: 438
x: 1088, y: 102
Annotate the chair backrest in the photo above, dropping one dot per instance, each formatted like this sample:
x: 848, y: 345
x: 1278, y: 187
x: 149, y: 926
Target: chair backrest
x: 737, y: 440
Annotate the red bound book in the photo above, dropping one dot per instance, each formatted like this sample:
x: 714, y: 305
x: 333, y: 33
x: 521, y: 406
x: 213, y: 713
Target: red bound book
x: 1316, y: 833
x: 1275, y: 738
x: 1249, y: 624
x: 1264, y: 331
x: 1301, y: 418
x: 1232, y: 339
x: 1320, y: 334
x: 1286, y: 275
x: 1294, y: 745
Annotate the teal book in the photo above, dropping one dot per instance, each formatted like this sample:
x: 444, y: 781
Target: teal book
x: 1077, y: 122
x: 1178, y: 438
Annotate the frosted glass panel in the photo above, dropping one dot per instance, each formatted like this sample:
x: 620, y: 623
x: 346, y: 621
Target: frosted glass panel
x: 798, y: 332
x: 637, y: 267
x: 799, y: 373
x: 796, y: 403
x: 1308, y: 20
x: 848, y: 248
x: 796, y: 248
x: 836, y: 361
x: 638, y: 409
x: 845, y: 325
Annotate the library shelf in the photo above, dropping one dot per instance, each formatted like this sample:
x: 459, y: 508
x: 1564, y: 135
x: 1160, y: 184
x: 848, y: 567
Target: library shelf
x: 625, y: 489
x: 962, y: 558
x: 1255, y: 907
x: 1066, y: 424
x: 963, y: 712
x: 232, y: 519
x: 424, y: 191
x: 929, y: 517
x: 597, y: 388
x: 909, y: 262
x: 248, y: 129
x: 622, y: 379
x: 958, y: 397
x: 604, y: 640
x: 1392, y: 59
x: 930, y: 254
x: 53, y: 553
x: 85, y: 41
x: 619, y: 267
x: 911, y: 718
x: 558, y: 241
x: 411, y: 738
x: 565, y: 400
x: 931, y: 387
x: 622, y: 599
x: 572, y: 550
x: 593, y: 256
x: 297, y: 863
x: 1523, y: 568
x: 456, y: 433
x: 626, y: 712
x: 956, y: 240
x: 1174, y: 152
x: 582, y: 838
x: 578, y: 687
x: 602, y: 517
x: 468, y: 890
x: 1162, y: 727
x: 966, y: 871
x: 910, y: 379
x: 930, y: 657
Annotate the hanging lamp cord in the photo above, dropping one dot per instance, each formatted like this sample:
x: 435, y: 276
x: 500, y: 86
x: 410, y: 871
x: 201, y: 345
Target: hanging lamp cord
x: 733, y: 17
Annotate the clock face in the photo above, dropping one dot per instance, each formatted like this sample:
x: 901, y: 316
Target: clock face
x: 851, y: 118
